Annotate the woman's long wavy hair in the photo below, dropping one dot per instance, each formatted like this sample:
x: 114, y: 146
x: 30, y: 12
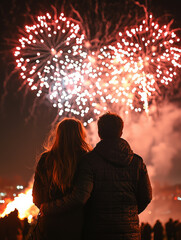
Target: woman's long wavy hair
x: 63, y: 155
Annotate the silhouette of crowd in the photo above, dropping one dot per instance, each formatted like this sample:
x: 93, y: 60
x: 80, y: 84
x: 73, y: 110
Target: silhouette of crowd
x: 171, y: 230
x: 12, y: 228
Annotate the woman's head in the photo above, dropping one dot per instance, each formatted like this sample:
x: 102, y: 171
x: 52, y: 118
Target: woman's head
x: 70, y: 133
x: 69, y: 143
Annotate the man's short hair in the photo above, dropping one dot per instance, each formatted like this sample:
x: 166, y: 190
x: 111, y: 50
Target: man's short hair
x: 110, y: 125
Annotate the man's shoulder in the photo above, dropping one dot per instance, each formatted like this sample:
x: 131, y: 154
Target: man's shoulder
x: 137, y: 159
x: 139, y: 163
x: 87, y: 158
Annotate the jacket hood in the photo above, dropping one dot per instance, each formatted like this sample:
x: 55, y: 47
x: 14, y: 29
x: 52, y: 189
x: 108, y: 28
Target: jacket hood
x: 116, y: 151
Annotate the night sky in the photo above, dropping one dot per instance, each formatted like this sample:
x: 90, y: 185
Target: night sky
x: 25, y: 120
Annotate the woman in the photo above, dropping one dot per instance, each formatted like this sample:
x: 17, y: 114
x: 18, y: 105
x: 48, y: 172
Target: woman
x: 54, y: 178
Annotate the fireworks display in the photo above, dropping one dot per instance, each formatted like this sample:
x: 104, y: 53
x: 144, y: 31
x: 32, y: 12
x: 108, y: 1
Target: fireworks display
x: 52, y: 61
x: 55, y: 59
x: 145, y: 59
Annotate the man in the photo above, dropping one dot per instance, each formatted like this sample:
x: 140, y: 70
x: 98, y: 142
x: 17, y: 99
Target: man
x: 114, y: 184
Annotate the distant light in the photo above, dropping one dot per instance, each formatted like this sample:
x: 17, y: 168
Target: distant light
x: 3, y: 194
x: 179, y: 198
x: 2, y: 201
x: 19, y: 187
x: 30, y: 218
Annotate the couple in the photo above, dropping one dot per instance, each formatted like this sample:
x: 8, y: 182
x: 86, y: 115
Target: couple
x: 86, y: 194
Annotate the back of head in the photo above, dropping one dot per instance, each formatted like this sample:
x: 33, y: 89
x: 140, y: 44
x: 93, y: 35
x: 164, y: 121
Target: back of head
x: 110, y: 125
x: 70, y: 134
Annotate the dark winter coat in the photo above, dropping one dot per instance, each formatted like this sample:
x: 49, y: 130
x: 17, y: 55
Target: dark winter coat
x: 65, y: 226
x: 115, y: 181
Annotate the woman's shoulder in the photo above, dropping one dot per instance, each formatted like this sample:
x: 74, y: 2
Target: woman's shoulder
x: 42, y: 159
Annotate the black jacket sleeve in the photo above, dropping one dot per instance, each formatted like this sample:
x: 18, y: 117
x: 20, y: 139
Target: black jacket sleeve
x: 81, y: 192
x: 144, y: 190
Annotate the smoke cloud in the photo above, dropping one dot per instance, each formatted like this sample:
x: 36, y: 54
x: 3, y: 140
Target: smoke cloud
x: 157, y: 139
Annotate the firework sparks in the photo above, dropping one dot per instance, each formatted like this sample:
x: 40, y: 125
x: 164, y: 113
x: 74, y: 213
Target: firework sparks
x: 52, y: 61
x: 146, y: 58
x: 55, y: 58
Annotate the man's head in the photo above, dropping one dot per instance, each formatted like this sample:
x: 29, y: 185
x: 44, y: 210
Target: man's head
x: 110, y: 125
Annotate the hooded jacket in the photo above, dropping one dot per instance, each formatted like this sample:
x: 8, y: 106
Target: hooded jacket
x: 114, y: 184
